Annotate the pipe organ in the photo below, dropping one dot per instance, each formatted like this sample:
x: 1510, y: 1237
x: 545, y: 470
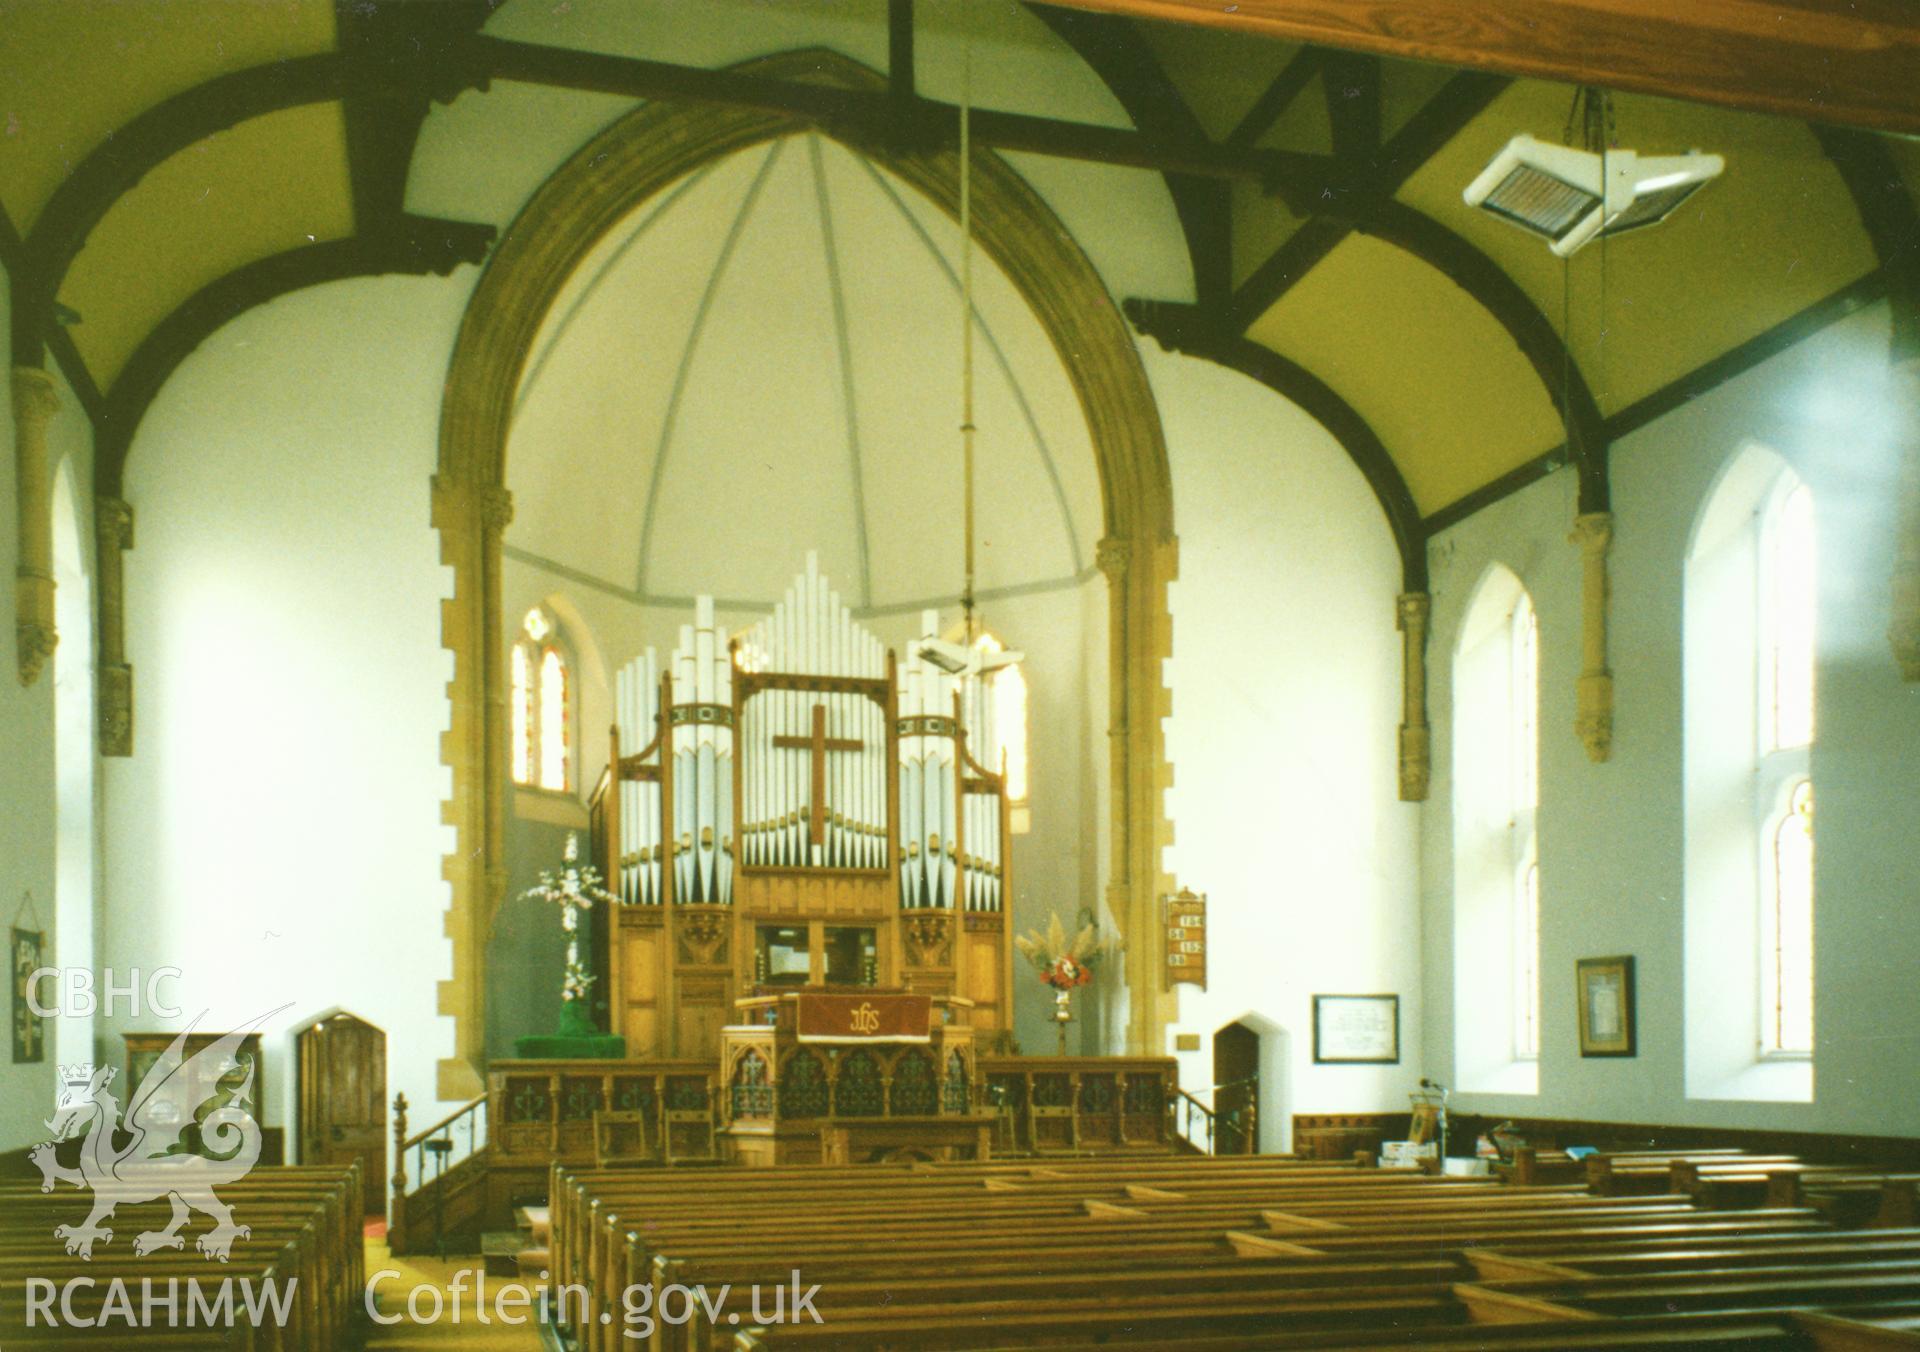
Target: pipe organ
x: 796, y: 804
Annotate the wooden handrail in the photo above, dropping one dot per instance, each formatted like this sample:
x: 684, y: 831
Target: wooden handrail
x: 446, y: 1121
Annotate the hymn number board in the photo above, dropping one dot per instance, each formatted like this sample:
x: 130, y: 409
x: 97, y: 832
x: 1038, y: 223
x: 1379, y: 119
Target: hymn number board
x: 1186, y: 929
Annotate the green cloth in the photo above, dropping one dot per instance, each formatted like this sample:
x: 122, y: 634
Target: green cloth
x: 576, y: 1039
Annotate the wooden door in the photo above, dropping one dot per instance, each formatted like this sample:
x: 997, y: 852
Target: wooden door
x: 342, y: 1063
x: 1236, y: 1092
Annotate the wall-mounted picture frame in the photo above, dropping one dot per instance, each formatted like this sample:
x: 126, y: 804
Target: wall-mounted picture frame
x: 1605, y: 992
x: 29, y: 1029
x: 1356, y: 1030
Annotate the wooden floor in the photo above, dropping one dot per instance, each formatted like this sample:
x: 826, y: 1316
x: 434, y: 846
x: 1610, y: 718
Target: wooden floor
x: 466, y: 1333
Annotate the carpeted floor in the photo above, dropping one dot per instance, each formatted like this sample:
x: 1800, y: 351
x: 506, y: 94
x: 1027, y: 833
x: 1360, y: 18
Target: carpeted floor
x: 392, y: 1295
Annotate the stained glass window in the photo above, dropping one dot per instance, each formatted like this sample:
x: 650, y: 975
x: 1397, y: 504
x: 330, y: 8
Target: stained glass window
x: 522, y: 714
x: 541, y: 710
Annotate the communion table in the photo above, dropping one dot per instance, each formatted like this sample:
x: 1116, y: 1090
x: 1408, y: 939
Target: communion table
x: 846, y: 1075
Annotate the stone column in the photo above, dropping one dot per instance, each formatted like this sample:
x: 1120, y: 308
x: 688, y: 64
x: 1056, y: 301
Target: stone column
x: 1593, y: 532
x: 113, y: 536
x: 35, y: 401
x: 471, y: 518
x: 1112, y: 555
x: 1416, y: 736
x: 1904, y: 632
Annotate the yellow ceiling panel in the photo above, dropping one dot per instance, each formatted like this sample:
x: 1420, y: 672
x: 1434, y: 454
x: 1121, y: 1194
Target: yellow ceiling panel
x: 1261, y: 224
x: 1775, y: 233
x: 1437, y: 378
x: 268, y: 185
x: 1405, y: 88
x: 1220, y: 75
x: 74, y: 71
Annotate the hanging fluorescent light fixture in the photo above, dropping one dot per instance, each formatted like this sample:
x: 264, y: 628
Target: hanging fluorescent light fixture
x: 1568, y: 196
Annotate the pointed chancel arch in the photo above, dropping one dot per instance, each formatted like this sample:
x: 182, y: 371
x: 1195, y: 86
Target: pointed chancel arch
x: 638, y: 157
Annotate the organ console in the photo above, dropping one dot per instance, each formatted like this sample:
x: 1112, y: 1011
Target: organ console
x: 796, y: 804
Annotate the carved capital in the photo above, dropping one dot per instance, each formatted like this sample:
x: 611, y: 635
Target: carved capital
x: 929, y: 936
x: 35, y: 401
x: 1112, y: 555
x: 36, y: 398
x: 496, y: 508
x: 1593, y: 532
x: 1411, y: 612
x: 113, y: 523
x: 115, y: 685
x: 702, y: 933
x: 33, y: 641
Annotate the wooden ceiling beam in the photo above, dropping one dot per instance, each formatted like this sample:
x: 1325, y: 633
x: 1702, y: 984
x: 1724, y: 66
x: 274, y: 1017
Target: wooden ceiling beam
x: 1336, y: 207
x: 900, y: 75
x: 1467, y: 267
x: 1114, y: 50
x: 1888, y: 216
x: 1839, y: 61
x: 58, y: 342
x: 420, y: 245
x: 1191, y: 330
x: 872, y: 116
x: 398, y: 41
x: 1274, y: 101
x: 1352, y: 87
x: 1702, y: 380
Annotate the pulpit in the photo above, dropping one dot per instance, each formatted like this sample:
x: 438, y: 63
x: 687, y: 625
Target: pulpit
x: 847, y: 1075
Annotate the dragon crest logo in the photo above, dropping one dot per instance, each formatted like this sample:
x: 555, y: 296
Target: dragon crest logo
x: 144, y: 1158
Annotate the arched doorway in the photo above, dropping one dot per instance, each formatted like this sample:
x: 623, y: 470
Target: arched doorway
x: 342, y: 1069
x: 1236, y: 1090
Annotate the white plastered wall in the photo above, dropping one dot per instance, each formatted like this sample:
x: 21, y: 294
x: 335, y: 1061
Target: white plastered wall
x: 1612, y: 835
x: 1285, y: 681
x: 276, y: 835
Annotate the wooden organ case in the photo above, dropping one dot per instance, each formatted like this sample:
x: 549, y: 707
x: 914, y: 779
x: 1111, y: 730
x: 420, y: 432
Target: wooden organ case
x: 802, y: 809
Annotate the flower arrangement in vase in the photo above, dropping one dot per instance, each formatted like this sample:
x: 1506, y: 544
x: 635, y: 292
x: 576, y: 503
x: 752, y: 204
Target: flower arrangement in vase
x: 574, y: 888
x: 1062, y: 965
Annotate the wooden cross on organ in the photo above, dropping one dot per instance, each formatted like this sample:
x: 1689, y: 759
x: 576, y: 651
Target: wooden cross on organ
x: 819, y: 744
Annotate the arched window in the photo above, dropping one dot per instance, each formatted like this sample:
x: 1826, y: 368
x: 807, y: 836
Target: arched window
x: 1006, y: 691
x: 541, y: 715
x: 1785, y: 797
x: 1496, y: 752
x: 1749, y: 669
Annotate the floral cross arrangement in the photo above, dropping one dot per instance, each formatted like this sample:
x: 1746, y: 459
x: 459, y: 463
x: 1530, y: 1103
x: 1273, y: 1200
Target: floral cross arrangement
x: 574, y: 888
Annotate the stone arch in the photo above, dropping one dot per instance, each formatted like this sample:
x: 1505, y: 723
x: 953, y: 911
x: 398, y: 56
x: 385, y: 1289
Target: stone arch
x: 637, y: 157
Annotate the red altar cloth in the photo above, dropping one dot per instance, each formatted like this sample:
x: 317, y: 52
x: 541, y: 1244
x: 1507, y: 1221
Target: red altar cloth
x: 864, y: 1018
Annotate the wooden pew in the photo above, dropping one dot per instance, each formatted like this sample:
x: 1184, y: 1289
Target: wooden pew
x: 303, y: 1228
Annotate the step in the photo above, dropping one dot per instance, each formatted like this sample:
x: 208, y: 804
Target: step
x: 534, y: 1267
x: 501, y: 1250
x: 535, y: 1221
